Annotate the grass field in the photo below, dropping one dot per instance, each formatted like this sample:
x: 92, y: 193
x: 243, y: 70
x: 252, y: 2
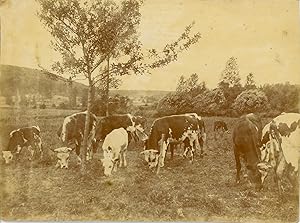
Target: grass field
x: 204, y: 190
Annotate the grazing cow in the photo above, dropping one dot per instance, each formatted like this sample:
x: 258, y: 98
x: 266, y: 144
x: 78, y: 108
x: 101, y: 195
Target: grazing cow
x: 24, y: 137
x: 63, y: 155
x: 169, y: 129
x: 246, y: 144
x: 109, y: 123
x: 186, y: 144
x: 114, y: 149
x: 71, y: 134
x: 280, y: 148
x: 220, y: 127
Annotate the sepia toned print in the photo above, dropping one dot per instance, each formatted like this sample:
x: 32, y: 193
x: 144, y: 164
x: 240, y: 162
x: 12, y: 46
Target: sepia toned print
x: 132, y: 110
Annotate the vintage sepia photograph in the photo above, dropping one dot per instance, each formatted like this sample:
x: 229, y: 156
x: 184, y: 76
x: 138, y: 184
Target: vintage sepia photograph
x: 150, y: 110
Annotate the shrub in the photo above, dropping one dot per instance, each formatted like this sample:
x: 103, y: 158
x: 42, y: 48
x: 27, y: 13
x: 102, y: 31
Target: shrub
x: 251, y: 101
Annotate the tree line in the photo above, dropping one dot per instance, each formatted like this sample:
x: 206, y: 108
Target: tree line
x: 230, y: 97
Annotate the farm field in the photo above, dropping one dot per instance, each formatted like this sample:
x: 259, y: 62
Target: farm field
x: 202, y: 191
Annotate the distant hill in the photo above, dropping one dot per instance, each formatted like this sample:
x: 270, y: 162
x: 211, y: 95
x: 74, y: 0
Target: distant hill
x: 33, y: 87
x: 33, y: 81
x: 44, y: 87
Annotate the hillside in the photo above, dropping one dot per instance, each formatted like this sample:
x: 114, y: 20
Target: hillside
x: 37, y: 87
x: 34, y: 81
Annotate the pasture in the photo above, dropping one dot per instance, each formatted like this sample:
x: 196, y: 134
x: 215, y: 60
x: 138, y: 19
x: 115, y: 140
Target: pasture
x: 202, y: 191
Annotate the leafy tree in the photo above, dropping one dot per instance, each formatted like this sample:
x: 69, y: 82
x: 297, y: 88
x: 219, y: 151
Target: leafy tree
x: 210, y: 102
x: 89, y: 35
x: 230, y: 74
x: 181, y: 101
x: 283, y: 97
x: 253, y: 100
x: 230, y: 81
x: 250, y: 83
x: 117, y: 105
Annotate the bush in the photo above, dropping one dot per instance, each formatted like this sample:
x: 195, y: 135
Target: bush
x: 211, y: 102
x: 251, y: 101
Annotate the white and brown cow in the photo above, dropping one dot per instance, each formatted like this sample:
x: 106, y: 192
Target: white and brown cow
x: 114, y: 149
x: 109, y: 123
x: 280, y: 148
x: 169, y: 129
x: 23, y: 137
x: 71, y: 134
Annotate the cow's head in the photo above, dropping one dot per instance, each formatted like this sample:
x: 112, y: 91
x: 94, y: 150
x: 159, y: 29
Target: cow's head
x: 63, y: 155
x: 140, y: 133
x: 109, y: 163
x: 151, y: 157
x: 16, y: 140
x: 263, y: 169
x: 7, y: 156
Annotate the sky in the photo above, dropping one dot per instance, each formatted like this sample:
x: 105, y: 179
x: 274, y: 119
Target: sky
x: 263, y: 36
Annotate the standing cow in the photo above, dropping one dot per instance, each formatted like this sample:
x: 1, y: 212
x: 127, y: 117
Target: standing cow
x: 280, y: 148
x: 174, y: 128
x: 109, y: 123
x: 186, y: 144
x: 246, y: 142
x: 24, y: 137
x: 71, y: 134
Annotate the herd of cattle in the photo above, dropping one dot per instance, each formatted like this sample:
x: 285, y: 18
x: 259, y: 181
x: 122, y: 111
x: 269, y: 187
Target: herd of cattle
x: 274, y: 146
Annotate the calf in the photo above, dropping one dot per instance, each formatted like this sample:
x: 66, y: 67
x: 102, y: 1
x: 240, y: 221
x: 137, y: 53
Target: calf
x: 246, y: 143
x: 114, y: 150
x: 170, y: 129
x: 219, y: 128
x: 71, y: 135
x: 280, y: 148
x: 23, y: 137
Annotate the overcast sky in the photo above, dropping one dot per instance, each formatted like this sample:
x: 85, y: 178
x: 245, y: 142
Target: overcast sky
x: 264, y: 36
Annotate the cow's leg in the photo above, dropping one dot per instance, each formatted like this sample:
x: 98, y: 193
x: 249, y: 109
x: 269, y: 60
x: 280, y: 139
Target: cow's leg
x: 192, y: 151
x: 194, y: 144
x: 121, y: 158
x: 201, y: 144
x: 77, y: 151
x: 124, y: 158
x: 172, y: 147
x: 38, y: 144
x: 31, y: 150
x: 279, y: 174
x: 238, y: 165
x: 186, y: 149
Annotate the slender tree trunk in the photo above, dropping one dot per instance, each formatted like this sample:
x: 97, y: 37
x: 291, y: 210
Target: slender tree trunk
x: 83, y: 149
x: 107, y: 88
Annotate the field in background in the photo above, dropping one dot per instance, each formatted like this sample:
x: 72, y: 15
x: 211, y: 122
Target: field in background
x: 204, y: 190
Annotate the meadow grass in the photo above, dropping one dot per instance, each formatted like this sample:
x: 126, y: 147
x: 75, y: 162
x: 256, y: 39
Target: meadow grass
x: 202, y: 191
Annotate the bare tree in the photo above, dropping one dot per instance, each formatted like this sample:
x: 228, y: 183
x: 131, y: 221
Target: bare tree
x: 98, y: 38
